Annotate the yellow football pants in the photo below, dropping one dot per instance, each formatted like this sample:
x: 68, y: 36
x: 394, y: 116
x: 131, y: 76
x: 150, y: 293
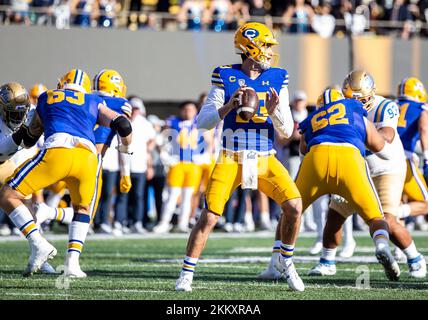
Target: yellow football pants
x: 184, y: 174
x: 415, y: 186
x: 273, y: 180
x: 77, y: 167
x: 329, y: 169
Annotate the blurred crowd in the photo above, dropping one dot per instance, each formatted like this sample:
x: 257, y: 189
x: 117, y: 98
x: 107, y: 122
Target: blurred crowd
x: 150, y: 205
x: 404, y: 18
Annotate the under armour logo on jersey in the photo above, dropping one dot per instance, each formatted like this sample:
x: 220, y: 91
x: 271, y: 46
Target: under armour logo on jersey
x: 250, y: 33
x: 265, y: 83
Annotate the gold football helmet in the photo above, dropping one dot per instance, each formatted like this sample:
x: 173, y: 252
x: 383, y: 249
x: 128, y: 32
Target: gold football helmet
x: 14, y: 104
x: 254, y: 39
x: 36, y: 91
x: 110, y: 82
x: 328, y: 96
x: 75, y: 79
x: 360, y: 85
x: 412, y: 89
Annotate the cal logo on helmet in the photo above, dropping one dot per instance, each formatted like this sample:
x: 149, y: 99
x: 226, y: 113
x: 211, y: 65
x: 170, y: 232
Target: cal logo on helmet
x: 110, y: 82
x: 250, y: 33
x: 254, y: 39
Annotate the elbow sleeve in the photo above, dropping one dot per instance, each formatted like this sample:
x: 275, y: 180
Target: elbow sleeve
x: 121, y: 125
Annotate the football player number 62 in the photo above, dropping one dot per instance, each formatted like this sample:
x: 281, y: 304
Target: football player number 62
x: 335, y: 115
x: 56, y: 96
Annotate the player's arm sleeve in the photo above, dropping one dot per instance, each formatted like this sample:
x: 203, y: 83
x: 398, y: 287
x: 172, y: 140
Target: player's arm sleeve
x: 281, y: 118
x: 125, y: 164
x: 208, y: 117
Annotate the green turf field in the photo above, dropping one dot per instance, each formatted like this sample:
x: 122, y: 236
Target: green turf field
x: 147, y: 269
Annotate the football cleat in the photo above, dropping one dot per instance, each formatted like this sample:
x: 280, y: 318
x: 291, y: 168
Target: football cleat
x: 417, y: 267
x: 323, y: 269
x: 39, y: 255
x: 348, y: 249
x: 46, y: 268
x: 184, y: 284
x: 289, y: 272
x: 385, y: 258
x: 270, y: 274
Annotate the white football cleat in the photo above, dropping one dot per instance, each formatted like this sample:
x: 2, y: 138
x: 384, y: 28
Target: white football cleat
x: 270, y: 274
x: 46, y: 268
x: 316, y: 249
x: 288, y: 271
x: 418, y: 267
x: 348, y: 249
x: 39, y: 255
x: 184, y: 284
x: 323, y: 269
x: 385, y: 258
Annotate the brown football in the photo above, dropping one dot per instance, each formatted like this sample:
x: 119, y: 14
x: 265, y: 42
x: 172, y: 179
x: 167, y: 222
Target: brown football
x: 249, y: 104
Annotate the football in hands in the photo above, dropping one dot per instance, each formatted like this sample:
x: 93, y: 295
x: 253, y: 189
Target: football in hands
x: 248, y: 104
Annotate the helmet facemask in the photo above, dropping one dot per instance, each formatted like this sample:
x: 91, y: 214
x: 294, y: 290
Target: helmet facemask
x: 15, y: 116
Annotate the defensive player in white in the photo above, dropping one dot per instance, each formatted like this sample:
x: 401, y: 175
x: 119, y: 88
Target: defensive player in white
x: 16, y: 109
x: 388, y: 178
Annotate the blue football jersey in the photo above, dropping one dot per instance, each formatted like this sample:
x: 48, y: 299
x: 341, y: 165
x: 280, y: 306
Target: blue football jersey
x: 258, y: 132
x: 185, y: 138
x: 337, y: 122
x: 407, y: 127
x: 69, y: 111
x: 104, y: 135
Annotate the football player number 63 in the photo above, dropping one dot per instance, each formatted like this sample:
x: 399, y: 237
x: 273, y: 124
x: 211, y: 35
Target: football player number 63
x: 336, y: 115
x: 55, y: 96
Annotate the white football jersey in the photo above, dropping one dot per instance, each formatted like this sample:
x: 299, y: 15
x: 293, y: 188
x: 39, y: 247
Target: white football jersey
x: 385, y: 113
